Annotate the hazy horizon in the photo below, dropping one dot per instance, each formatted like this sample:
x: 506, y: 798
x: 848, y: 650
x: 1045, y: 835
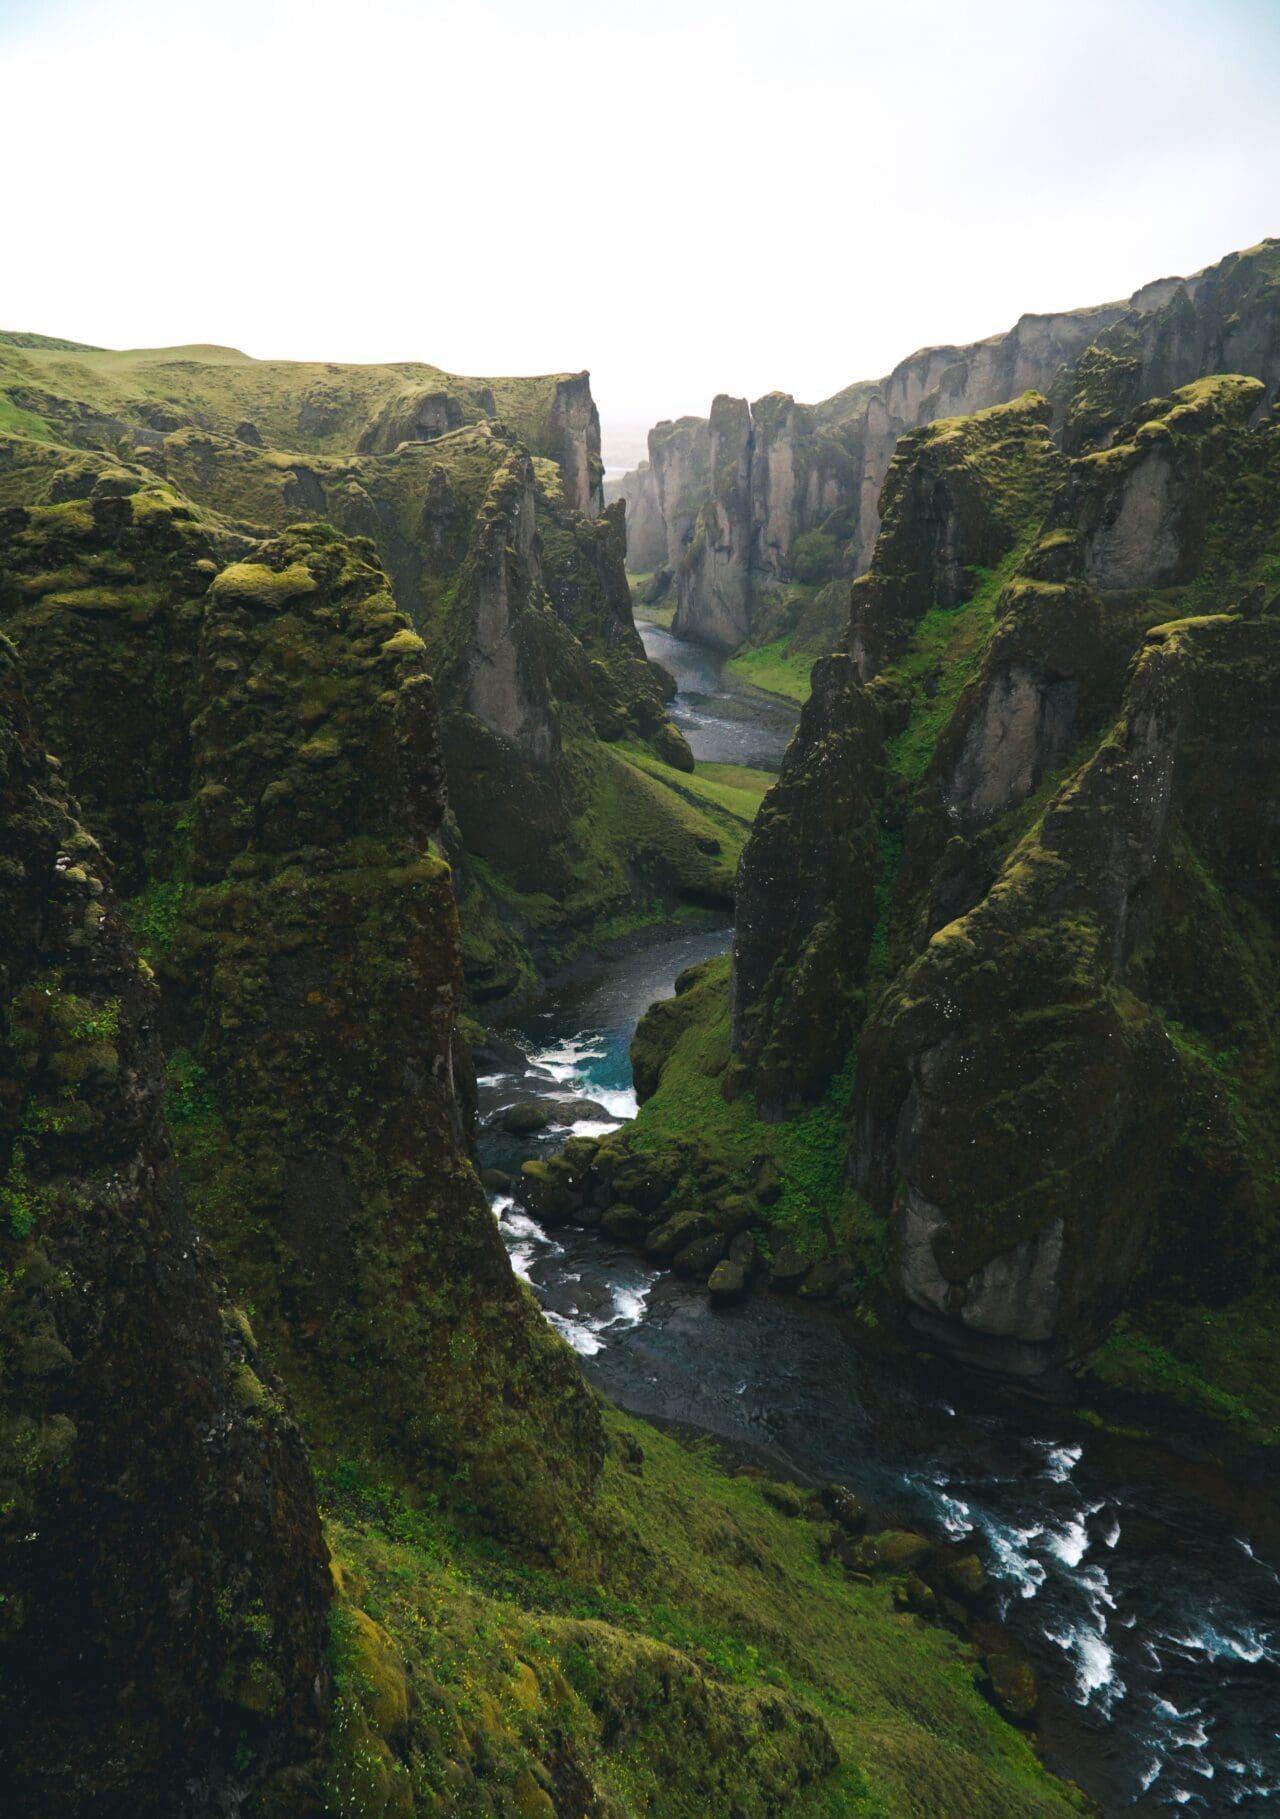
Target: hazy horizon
x: 684, y: 199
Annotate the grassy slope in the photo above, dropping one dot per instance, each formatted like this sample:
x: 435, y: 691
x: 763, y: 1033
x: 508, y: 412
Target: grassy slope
x: 222, y: 387
x: 518, y: 1665
x: 649, y: 837
x: 776, y: 668
x: 820, y: 1211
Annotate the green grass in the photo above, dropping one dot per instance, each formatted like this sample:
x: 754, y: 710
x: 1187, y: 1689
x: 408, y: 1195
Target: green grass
x: 775, y: 669
x: 693, y: 1609
x: 821, y: 1212
x: 736, y: 789
x: 945, y: 650
x: 1220, y: 1363
x: 14, y: 421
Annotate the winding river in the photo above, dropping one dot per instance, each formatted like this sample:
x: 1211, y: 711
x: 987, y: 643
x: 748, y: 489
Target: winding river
x: 1146, y: 1591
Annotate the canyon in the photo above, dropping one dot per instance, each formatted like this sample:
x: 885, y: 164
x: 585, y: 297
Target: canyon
x: 347, y: 773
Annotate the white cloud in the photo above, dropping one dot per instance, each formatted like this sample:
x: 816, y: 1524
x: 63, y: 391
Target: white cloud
x: 684, y: 197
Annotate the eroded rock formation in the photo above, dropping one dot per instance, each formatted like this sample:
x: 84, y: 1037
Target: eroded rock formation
x: 798, y: 506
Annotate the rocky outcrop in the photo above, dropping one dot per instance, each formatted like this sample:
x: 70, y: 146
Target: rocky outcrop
x: 646, y: 538
x: 573, y: 438
x: 164, y: 1585
x: 1225, y: 319
x: 483, y: 500
x: 712, y: 582
x: 957, y: 497
x: 499, y: 674
x: 283, y: 802
x: 812, y: 510
x: 801, y: 937
x: 1059, y: 810
x: 680, y: 462
x: 1024, y: 1036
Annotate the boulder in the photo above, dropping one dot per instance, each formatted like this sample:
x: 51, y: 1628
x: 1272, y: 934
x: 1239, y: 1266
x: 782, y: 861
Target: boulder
x: 675, y: 1233
x: 966, y: 1578
x: 844, y: 1507
x: 701, y: 1256
x: 893, y: 1551
x: 524, y: 1119
x: 788, y: 1268
x: 625, y: 1222
x: 549, y: 1190
x: 1013, y: 1683
x: 743, y: 1252
x: 727, y: 1284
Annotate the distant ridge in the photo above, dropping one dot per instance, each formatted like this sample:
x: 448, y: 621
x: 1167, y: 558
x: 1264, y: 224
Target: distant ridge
x: 17, y: 338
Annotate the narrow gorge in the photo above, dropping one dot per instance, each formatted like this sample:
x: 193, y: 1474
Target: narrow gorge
x: 639, y: 1165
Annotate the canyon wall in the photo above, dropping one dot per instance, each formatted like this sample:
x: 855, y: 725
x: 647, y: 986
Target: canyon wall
x: 795, y: 506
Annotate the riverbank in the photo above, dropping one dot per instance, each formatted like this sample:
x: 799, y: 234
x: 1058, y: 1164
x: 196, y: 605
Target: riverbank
x: 1141, y: 1587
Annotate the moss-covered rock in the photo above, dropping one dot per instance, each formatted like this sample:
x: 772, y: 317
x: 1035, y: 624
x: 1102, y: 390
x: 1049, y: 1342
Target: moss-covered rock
x: 164, y: 1583
x: 282, y: 810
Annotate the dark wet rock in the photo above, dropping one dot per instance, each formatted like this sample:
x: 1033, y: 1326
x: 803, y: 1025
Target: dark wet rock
x: 912, y: 1593
x: 845, y: 1507
x: 495, y: 1054
x: 732, y: 1213
x: 626, y: 1222
x: 727, y: 1283
x: 549, y: 1188
x: 824, y: 1278
x: 677, y: 1231
x: 700, y: 1257
x: 524, y: 1119
x: 788, y: 1268
x: 496, y: 1181
x: 577, y: 1111
x: 743, y: 1251
x: 966, y: 1577
x: 644, y: 1180
x: 893, y: 1551
x: 580, y: 1153
x: 1013, y: 1682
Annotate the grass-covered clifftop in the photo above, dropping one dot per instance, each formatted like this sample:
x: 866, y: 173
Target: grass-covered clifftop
x: 482, y: 498
x: 1007, y: 943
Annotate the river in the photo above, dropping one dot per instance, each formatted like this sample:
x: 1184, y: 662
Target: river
x: 1143, y: 1588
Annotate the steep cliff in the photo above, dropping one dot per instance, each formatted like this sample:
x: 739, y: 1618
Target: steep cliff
x: 164, y: 1584
x: 1007, y: 928
x: 483, y: 499
x: 800, y: 511
x: 274, y: 798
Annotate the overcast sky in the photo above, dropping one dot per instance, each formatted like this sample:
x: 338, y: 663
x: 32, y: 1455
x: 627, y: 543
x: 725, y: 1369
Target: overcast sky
x: 686, y: 196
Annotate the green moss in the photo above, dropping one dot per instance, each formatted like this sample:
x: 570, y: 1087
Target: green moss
x: 689, y: 1116
x: 1221, y: 1364
x: 702, y: 1660
x: 945, y: 650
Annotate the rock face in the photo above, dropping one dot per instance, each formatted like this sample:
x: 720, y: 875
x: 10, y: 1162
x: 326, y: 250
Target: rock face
x: 745, y: 544
x: 483, y: 498
x: 1040, y: 797
x: 646, y: 531
x: 276, y: 813
x: 164, y: 1581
